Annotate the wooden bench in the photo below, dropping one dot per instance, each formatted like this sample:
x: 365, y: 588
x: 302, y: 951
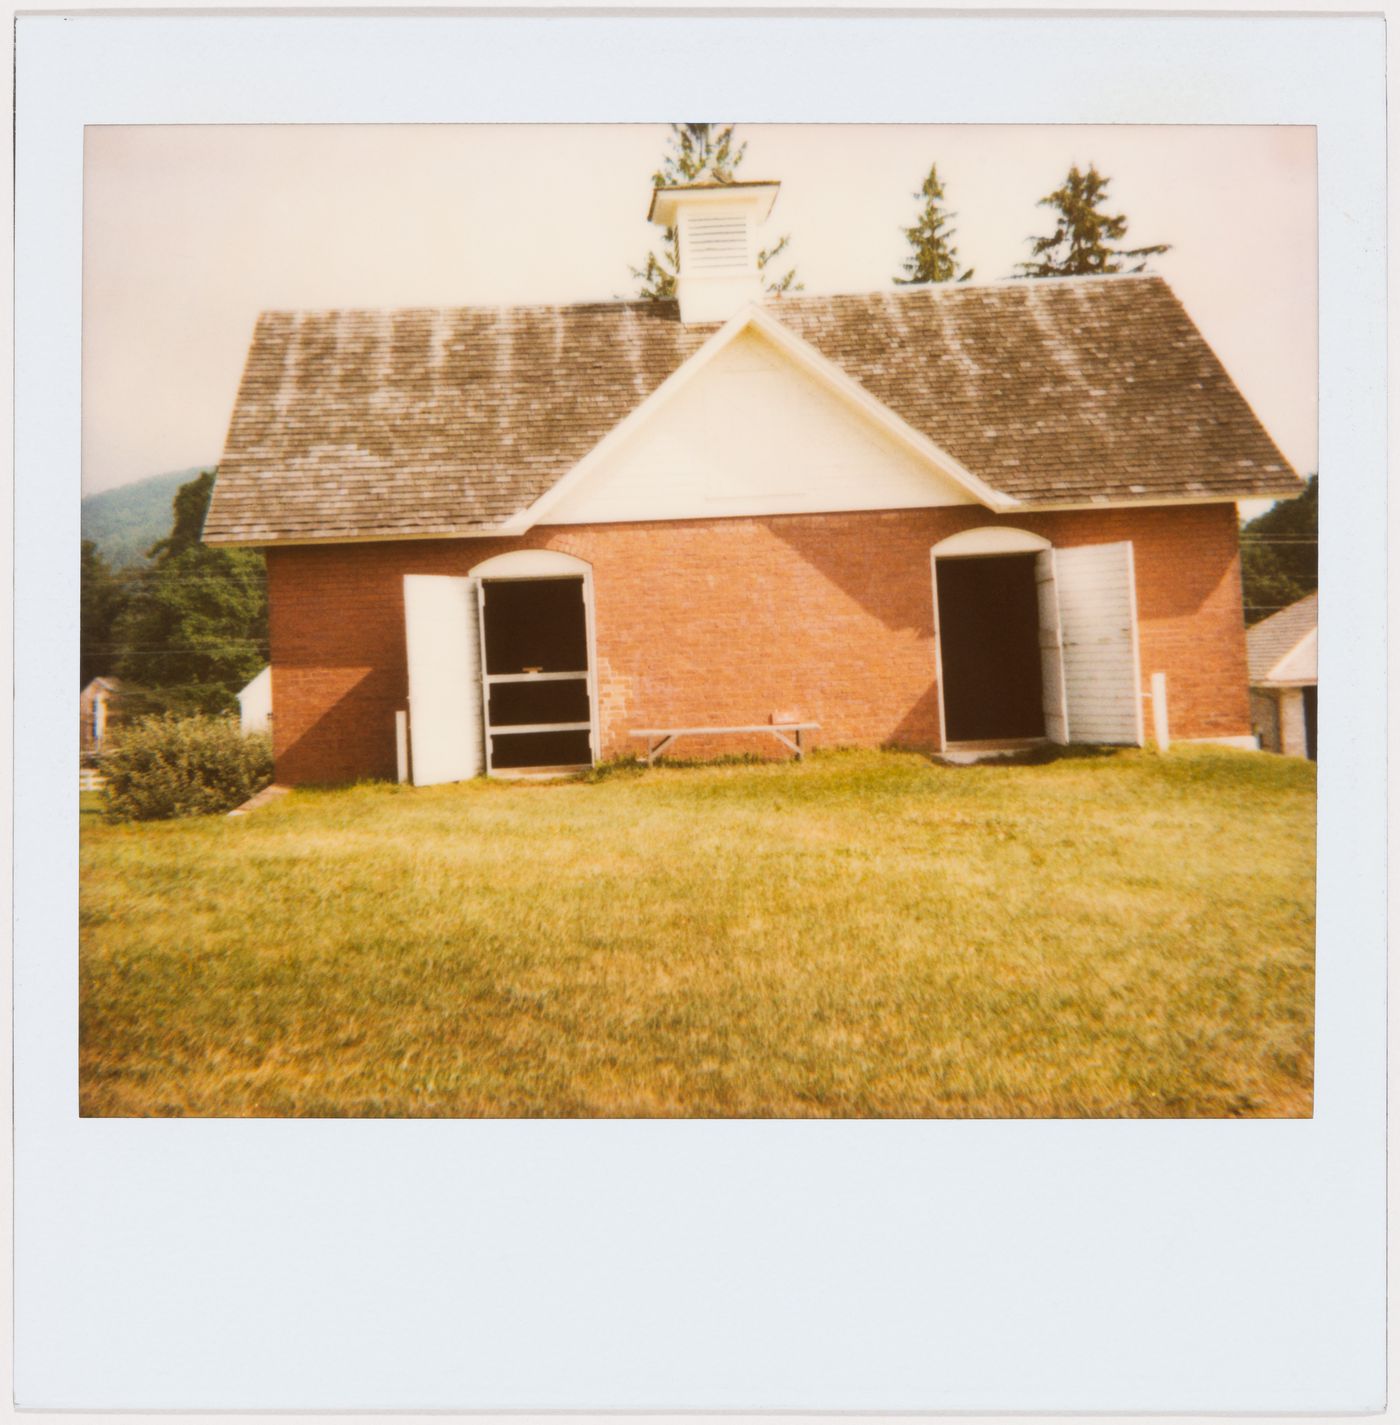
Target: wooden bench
x: 660, y: 738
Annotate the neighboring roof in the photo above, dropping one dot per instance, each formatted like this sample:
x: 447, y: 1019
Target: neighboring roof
x: 102, y: 685
x: 1283, y: 647
x: 377, y: 425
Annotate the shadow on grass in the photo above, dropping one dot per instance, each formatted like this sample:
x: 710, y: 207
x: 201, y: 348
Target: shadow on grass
x: 634, y: 766
x: 1041, y: 756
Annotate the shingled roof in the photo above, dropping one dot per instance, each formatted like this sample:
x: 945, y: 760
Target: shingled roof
x: 1272, y: 640
x: 382, y: 425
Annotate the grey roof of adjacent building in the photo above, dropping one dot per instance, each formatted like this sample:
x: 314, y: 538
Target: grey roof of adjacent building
x: 1271, y: 640
x: 420, y: 422
x: 103, y: 684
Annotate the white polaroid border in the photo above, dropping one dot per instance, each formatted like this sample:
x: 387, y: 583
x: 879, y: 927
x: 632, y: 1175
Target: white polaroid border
x: 909, y: 1266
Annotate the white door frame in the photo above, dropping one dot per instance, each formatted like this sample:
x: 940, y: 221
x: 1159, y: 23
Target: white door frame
x: 1137, y: 650
x: 938, y: 657
x: 537, y: 565
x: 1052, y: 653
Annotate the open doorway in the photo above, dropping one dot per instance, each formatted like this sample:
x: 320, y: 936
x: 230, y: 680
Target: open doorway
x: 989, y: 645
x: 535, y: 676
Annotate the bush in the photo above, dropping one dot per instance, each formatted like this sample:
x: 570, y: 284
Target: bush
x: 183, y: 766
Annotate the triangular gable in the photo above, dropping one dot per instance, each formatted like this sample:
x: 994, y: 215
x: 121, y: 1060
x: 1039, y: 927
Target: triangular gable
x: 702, y: 445
x: 1299, y: 664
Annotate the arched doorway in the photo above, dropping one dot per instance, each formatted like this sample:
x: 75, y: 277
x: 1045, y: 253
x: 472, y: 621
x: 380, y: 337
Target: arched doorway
x: 988, y: 616
x: 536, y: 661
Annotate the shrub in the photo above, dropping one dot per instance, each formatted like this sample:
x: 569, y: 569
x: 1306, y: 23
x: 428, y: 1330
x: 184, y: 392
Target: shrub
x: 183, y: 766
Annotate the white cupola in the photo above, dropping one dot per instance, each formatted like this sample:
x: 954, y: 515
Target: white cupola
x: 718, y: 225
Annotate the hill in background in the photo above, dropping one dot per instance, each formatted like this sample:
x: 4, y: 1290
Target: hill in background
x: 124, y: 523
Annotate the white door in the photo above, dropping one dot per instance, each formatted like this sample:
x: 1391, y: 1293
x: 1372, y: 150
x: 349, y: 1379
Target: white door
x: 444, y: 677
x: 1097, y: 599
x: 1052, y: 666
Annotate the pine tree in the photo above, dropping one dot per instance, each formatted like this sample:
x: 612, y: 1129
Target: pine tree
x: 700, y: 153
x: 1080, y: 244
x: 934, y: 258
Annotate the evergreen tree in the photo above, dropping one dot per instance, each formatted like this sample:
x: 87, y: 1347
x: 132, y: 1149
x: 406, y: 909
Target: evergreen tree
x: 934, y: 258
x: 1080, y: 244
x: 194, y: 630
x: 700, y: 153
x: 1278, y: 555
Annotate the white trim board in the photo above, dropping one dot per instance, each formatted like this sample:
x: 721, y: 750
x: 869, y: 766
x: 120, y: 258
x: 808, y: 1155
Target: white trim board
x: 508, y: 530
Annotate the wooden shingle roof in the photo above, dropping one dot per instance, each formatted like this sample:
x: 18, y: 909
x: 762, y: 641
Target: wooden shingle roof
x: 393, y: 424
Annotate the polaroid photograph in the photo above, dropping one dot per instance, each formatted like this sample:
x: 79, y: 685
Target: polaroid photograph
x: 720, y: 766
x: 825, y: 679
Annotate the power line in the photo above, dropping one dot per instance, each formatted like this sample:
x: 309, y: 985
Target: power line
x: 249, y: 647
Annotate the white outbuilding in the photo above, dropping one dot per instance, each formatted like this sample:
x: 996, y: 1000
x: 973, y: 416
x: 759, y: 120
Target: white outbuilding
x: 1283, y: 679
x: 255, y: 704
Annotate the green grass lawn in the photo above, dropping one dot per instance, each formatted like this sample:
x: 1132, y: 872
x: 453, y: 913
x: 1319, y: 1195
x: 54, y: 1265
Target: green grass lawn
x: 865, y: 934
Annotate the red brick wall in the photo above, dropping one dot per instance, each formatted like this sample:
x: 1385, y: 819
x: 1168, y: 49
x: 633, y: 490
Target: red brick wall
x: 726, y: 621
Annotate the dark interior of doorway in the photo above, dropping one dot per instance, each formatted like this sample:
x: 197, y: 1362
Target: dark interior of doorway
x: 536, y: 626
x: 535, y: 623
x: 989, y: 639
x: 1310, y: 722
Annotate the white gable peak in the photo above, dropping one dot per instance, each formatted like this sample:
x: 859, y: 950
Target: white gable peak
x: 752, y: 434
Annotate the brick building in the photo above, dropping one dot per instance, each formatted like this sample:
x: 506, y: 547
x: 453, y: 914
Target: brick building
x: 931, y: 516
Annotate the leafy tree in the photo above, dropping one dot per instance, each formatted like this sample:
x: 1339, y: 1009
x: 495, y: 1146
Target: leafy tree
x: 934, y: 258
x: 103, y: 594
x: 1080, y: 244
x: 194, y: 630
x: 1278, y: 555
x: 701, y: 153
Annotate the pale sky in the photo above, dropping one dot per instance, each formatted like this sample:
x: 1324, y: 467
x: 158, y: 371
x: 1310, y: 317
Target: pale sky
x: 190, y: 231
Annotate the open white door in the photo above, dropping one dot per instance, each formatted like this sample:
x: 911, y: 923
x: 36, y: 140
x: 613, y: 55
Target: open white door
x: 444, y: 677
x: 1052, y: 663
x: 1097, y: 598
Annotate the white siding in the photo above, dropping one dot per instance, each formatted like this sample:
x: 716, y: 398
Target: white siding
x: 1098, y: 629
x: 752, y: 435
x: 444, y: 678
x: 1293, y: 727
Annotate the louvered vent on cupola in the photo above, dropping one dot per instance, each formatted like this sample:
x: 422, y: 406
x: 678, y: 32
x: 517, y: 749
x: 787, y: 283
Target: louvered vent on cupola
x: 718, y: 227
x: 717, y: 242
